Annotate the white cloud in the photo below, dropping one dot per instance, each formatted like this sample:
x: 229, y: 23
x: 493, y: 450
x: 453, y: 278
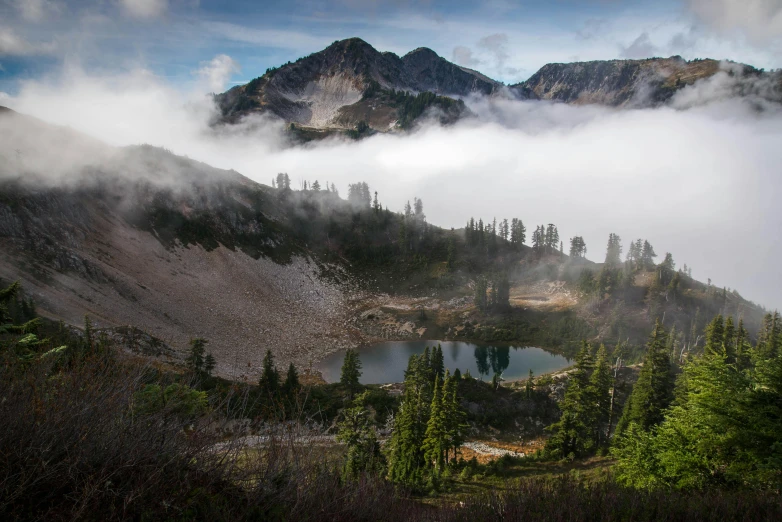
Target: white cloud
x: 641, y: 47
x: 759, y: 20
x: 463, y: 56
x: 702, y: 183
x: 11, y: 44
x: 279, y: 38
x: 144, y: 8
x: 217, y: 72
x: 37, y: 10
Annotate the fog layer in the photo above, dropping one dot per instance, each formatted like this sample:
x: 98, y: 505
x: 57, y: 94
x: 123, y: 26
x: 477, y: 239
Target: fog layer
x: 701, y: 181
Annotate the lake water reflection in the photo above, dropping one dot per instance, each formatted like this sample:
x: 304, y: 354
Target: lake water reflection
x: 387, y: 362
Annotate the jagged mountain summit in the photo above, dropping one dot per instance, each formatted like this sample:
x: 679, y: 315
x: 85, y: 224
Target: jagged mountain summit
x: 349, y: 82
x: 352, y: 86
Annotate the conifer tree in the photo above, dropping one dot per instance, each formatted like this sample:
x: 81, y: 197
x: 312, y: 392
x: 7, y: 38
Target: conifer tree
x: 653, y: 391
x: 195, y: 359
x: 600, y: 384
x: 406, y: 456
x: 355, y: 430
x: 291, y: 385
x: 435, y: 439
x: 455, y: 416
x: 573, y: 435
x: 351, y: 371
x: 613, y: 250
x: 438, y: 362
x: 269, y: 382
x: 209, y: 364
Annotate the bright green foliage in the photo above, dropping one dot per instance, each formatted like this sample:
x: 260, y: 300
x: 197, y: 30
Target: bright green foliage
x: 406, y: 457
x: 653, y: 391
x: 436, y: 437
x: 437, y: 362
x: 724, y: 429
x: 455, y: 416
x: 600, y: 384
x: 429, y: 425
x: 356, y: 431
x: 573, y: 435
x: 351, y: 371
x: 269, y: 382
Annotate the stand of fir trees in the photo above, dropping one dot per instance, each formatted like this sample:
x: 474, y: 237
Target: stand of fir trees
x: 585, y: 423
x: 279, y: 398
x: 429, y: 427
x: 723, y: 427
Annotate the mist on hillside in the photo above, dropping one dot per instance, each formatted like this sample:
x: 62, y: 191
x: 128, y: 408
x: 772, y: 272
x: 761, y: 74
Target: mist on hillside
x: 698, y: 179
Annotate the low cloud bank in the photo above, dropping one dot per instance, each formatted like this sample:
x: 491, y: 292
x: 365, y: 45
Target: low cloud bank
x: 699, y: 179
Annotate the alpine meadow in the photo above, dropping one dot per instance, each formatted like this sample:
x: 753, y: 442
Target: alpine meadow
x: 383, y: 261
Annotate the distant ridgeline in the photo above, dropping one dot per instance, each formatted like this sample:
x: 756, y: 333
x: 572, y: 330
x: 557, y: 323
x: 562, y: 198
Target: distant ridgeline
x: 352, y: 88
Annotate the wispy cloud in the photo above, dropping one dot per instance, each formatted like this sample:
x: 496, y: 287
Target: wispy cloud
x: 13, y: 44
x: 713, y: 167
x: 144, y: 8
x: 276, y: 38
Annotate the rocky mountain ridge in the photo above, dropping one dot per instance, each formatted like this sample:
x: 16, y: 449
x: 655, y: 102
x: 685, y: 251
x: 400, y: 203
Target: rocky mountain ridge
x: 314, y: 90
x: 350, y: 84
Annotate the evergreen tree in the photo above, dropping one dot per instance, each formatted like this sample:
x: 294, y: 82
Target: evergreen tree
x: 438, y: 362
x: 291, y: 385
x: 406, y: 464
x: 269, y: 382
x: 574, y: 434
x: 577, y: 247
x: 613, y: 250
x: 600, y: 384
x: 653, y: 391
x: 351, y: 371
x: 356, y: 431
x: 648, y: 255
x: 209, y: 364
x: 722, y: 431
x: 316, y: 186
x: 195, y: 360
x: 435, y: 439
x: 455, y: 417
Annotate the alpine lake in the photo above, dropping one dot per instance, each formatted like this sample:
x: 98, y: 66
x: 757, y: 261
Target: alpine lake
x: 386, y: 362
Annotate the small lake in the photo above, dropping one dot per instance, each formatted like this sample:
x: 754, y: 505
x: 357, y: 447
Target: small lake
x: 387, y: 362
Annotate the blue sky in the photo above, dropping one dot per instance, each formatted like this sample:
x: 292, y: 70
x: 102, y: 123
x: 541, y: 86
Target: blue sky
x: 507, y: 40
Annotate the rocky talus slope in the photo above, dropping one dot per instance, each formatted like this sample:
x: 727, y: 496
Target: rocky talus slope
x: 174, y: 247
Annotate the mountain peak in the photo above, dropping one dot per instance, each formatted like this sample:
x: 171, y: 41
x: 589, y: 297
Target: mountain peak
x: 422, y: 51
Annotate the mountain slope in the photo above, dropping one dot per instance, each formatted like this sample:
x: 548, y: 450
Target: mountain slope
x: 315, y: 90
x: 144, y: 238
